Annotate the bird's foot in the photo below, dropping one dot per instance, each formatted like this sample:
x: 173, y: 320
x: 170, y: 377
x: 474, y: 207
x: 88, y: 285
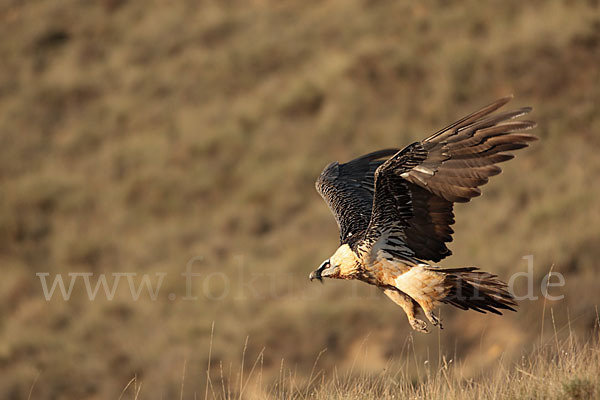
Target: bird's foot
x: 418, y: 325
x: 433, y: 319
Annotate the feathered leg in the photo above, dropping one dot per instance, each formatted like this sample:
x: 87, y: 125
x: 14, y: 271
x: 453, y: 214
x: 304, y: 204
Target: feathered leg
x: 426, y: 287
x: 410, y: 308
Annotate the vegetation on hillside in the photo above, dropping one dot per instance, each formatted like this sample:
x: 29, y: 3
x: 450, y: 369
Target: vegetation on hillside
x: 561, y: 370
x: 149, y: 137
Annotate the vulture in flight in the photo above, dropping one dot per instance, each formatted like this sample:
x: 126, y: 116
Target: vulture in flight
x: 394, y: 211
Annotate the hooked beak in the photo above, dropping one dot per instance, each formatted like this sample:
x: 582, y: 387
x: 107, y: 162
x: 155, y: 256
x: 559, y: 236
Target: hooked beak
x: 323, y: 271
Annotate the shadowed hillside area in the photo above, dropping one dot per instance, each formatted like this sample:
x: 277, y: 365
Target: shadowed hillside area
x: 141, y: 140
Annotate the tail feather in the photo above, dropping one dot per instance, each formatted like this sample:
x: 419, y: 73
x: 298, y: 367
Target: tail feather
x: 472, y: 289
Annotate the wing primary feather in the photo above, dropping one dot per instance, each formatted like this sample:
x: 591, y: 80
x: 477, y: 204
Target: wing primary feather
x: 490, y: 108
x: 414, y: 190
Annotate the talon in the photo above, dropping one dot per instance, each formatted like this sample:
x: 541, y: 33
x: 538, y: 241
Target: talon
x: 434, y: 320
x: 419, y: 325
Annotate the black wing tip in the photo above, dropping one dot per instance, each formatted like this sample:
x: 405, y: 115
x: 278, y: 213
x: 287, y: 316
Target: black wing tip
x: 527, y: 109
x: 503, y: 100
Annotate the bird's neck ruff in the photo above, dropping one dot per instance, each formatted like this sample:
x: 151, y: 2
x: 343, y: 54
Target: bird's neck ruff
x: 346, y: 260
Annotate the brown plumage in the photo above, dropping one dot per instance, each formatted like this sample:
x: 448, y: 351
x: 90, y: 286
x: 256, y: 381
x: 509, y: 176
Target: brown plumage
x: 394, y: 211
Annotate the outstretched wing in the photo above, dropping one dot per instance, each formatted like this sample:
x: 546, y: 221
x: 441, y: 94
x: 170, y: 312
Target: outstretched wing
x: 348, y: 191
x: 416, y: 188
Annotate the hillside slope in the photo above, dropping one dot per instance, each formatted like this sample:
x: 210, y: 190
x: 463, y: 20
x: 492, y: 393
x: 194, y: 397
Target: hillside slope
x: 143, y: 137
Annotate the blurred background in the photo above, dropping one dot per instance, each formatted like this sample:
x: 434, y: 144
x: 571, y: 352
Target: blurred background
x: 149, y: 137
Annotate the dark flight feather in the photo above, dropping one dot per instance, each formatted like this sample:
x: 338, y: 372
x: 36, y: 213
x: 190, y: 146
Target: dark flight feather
x: 416, y: 188
x: 348, y: 191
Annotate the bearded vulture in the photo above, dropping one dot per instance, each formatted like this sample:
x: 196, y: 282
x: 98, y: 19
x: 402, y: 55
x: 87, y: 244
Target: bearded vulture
x: 394, y: 211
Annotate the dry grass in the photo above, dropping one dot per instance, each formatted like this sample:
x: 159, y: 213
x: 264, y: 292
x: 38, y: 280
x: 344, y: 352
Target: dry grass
x: 136, y: 137
x: 553, y: 369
